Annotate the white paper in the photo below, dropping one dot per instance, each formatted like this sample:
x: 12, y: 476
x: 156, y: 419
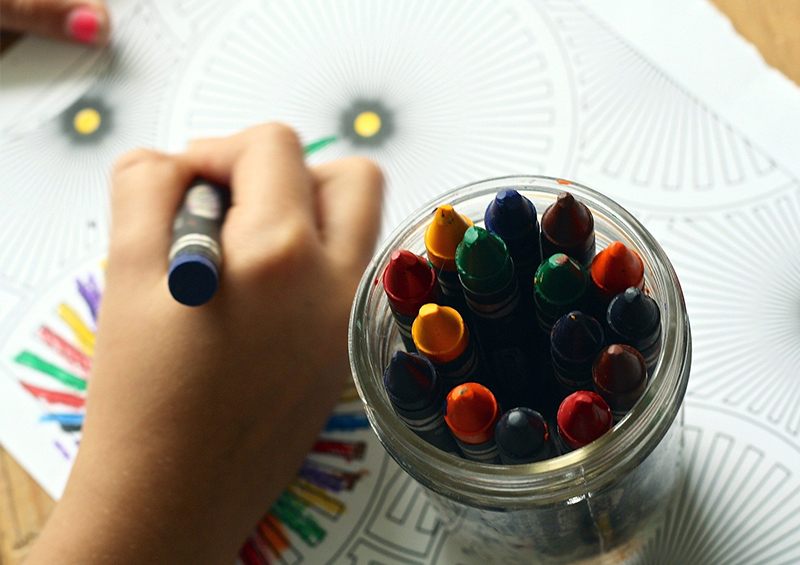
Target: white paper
x: 658, y: 104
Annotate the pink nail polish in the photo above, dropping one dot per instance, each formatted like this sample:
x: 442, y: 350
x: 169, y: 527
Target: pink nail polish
x: 85, y: 25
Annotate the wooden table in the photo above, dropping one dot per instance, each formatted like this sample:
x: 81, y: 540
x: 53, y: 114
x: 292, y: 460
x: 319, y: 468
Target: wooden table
x: 772, y: 25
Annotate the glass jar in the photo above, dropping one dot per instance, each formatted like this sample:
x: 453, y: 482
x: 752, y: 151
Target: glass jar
x: 598, y: 504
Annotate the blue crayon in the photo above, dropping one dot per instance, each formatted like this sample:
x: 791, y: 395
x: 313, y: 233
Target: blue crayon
x: 487, y: 276
x: 634, y: 319
x: 523, y: 436
x: 346, y: 422
x: 512, y: 218
x: 575, y: 341
x: 415, y: 391
x: 196, y: 253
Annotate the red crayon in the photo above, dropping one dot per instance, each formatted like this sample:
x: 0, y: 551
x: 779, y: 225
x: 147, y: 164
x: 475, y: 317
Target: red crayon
x: 620, y: 376
x: 614, y: 269
x: 409, y: 282
x: 582, y: 418
x: 471, y: 413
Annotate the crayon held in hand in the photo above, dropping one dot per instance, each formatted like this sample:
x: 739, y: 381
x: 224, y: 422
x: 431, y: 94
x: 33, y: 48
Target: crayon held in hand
x: 633, y: 318
x: 582, y: 418
x: 415, y: 391
x: 568, y: 227
x: 471, y: 413
x: 619, y: 374
x: 409, y: 283
x: 441, y: 335
x: 523, y: 436
x: 196, y: 253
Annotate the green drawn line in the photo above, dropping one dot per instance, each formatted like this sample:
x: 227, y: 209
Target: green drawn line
x: 291, y: 511
x: 34, y: 362
x: 319, y: 144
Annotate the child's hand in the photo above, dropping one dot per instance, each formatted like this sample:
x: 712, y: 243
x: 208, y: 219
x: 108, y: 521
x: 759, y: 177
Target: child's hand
x: 198, y: 417
x: 84, y: 21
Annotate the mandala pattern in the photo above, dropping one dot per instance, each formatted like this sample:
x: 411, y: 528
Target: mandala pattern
x: 457, y: 91
x: 742, y: 288
x: 61, y: 217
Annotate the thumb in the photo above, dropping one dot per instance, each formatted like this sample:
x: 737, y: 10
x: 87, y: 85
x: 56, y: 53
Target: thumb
x: 84, y: 21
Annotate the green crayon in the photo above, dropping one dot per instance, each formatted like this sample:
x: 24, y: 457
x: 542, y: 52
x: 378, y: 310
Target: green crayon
x: 559, y: 287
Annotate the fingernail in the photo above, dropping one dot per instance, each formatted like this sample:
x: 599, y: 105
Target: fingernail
x: 87, y: 25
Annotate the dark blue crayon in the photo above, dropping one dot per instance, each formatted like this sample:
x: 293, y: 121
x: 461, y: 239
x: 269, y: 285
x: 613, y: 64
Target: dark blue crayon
x: 523, y: 436
x: 512, y: 218
x: 196, y: 253
x: 634, y: 319
x: 486, y: 271
x: 346, y: 422
x: 415, y: 391
x: 575, y: 341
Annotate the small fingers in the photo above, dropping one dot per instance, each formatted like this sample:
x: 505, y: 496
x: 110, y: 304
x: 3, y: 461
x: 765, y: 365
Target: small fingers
x: 84, y: 21
x: 349, y: 206
x: 264, y: 167
x: 147, y: 189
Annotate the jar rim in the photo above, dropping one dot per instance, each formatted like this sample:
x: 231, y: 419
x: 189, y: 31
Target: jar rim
x: 564, y: 479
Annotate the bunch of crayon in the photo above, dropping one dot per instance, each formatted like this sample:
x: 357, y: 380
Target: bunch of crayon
x: 521, y: 316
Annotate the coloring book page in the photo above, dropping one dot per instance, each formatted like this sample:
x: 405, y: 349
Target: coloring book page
x: 659, y: 105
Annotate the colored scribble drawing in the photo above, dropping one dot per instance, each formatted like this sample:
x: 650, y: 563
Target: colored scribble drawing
x: 55, y: 367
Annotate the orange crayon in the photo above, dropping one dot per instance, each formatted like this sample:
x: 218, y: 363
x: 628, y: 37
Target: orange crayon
x: 442, y: 237
x: 615, y: 269
x: 442, y: 337
x: 471, y: 413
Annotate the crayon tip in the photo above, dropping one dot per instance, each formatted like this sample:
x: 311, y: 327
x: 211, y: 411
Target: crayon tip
x: 410, y: 380
x: 616, y: 268
x: 577, y: 336
x: 409, y: 278
x: 509, y: 199
x: 632, y: 295
x: 471, y: 411
x: 522, y: 432
x: 633, y: 312
x: 619, y: 369
x: 443, y: 235
x: 582, y: 418
x: 439, y: 333
x: 565, y: 200
x: 404, y: 259
x: 560, y: 279
x: 483, y: 255
x: 568, y: 222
